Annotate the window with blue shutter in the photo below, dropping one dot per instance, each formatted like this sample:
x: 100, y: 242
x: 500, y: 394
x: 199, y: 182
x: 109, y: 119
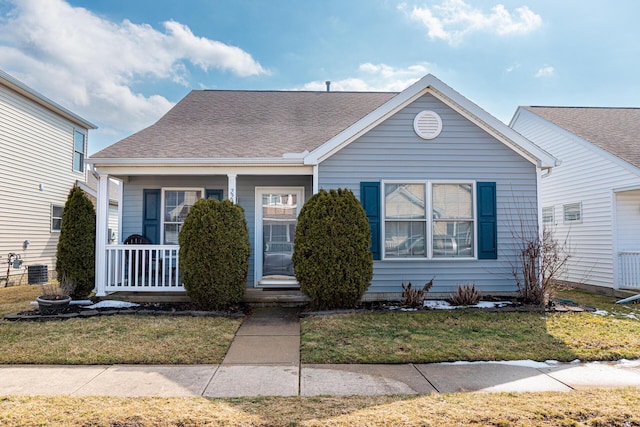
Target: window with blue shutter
x: 370, y: 199
x: 487, y: 220
x: 151, y: 215
x: 213, y: 194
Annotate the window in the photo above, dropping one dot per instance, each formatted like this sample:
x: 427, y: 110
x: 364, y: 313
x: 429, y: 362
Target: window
x: 429, y: 220
x: 56, y: 217
x: 548, y: 215
x: 78, y: 151
x: 573, y: 212
x: 176, y: 204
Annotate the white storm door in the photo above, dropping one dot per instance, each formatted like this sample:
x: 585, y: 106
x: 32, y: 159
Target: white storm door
x: 277, y: 210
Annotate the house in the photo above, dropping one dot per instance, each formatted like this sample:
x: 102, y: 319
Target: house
x: 593, y: 199
x: 437, y: 176
x: 44, y: 148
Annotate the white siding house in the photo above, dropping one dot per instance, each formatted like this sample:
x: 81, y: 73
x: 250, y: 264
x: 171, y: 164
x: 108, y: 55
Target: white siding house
x: 593, y: 199
x: 43, y: 154
x: 438, y: 178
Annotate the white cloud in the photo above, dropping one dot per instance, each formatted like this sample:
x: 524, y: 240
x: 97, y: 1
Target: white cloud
x: 90, y: 64
x: 546, y: 71
x: 452, y: 20
x: 375, y: 78
x: 512, y: 67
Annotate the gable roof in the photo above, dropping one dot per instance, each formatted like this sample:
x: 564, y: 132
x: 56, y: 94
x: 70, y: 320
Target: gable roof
x: 615, y: 130
x: 432, y: 85
x: 24, y: 90
x: 227, y: 124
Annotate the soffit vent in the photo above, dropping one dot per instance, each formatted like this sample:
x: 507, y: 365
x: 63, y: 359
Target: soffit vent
x: 427, y: 124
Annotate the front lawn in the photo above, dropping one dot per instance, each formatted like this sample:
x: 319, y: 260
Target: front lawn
x: 118, y: 339
x: 578, y: 408
x: 437, y: 336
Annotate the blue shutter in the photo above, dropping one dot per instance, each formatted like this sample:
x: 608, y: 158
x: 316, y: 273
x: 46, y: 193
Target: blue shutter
x: 213, y: 194
x: 151, y: 215
x: 487, y: 220
x: 370, y: 199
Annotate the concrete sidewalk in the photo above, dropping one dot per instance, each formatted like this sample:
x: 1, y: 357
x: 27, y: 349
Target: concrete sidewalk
x: 264, y: 360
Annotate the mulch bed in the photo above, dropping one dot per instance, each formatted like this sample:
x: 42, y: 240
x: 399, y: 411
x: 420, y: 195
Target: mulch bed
x: 143, y: 309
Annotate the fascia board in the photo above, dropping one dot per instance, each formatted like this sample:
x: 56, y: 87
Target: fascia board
x: 169, y: 162
x: 497, y: 129
x: 24, y: 90
x: 369, y: 121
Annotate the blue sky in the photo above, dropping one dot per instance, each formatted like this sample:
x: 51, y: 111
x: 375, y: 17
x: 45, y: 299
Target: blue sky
x: 121, y: 64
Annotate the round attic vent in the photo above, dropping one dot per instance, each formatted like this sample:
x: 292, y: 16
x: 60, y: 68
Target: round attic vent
x: 427, y: 124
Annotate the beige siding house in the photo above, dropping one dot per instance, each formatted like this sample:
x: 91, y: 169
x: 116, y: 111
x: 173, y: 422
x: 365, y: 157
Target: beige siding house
x: 43, y: 155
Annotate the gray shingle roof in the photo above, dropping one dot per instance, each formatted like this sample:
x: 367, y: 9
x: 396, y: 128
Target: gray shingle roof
x: 616, y: 130
x: 247, y: 124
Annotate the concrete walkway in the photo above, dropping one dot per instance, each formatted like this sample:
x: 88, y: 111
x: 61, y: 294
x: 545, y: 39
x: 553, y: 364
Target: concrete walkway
x: 264, y: 360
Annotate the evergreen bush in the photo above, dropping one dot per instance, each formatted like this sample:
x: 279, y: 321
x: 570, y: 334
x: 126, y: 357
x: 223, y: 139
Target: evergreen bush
x: 75, y: 257
x: 331, y: 257
x: 214, y: 253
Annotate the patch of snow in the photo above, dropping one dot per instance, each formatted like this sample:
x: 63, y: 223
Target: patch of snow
x: 601, y: 313
x: 625, y: 363
x: 113, y: 304
x: 523, y: 363
x: 444, y: 305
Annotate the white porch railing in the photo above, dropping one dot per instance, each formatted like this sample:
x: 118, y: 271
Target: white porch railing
x: 629, y: 269
x: 143, y: 268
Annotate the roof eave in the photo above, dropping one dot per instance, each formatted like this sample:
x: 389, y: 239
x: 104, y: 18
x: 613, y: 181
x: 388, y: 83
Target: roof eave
x: 265, y: 161
x: 19, y: 87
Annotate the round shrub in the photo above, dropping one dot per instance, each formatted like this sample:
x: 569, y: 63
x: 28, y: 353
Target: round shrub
x: 331, y: 256
x: 75, y: 256
x: 214, y: 253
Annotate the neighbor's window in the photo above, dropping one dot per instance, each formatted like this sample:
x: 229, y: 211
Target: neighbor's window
x: 175, y: 208
x: 547, y: 215
x: 79, y: 148
x: 56, y: 217
x: 573, y: 212
x: 414, y: 223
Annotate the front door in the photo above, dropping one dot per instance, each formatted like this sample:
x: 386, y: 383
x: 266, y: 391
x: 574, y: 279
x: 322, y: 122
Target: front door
x: 277, y: 210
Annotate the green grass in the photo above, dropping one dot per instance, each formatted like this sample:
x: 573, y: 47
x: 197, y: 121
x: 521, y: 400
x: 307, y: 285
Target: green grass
x: 111, y: 339
x: 577, y: 408
x: 436, y: 336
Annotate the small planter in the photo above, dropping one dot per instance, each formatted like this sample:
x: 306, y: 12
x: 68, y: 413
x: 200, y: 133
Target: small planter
x: 49, y: 306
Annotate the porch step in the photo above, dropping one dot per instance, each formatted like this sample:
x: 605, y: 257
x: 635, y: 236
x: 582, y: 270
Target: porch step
x: 275, y: 298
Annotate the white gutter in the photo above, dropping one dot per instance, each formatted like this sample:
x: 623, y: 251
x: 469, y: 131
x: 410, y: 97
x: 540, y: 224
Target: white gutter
x: 265, y: 161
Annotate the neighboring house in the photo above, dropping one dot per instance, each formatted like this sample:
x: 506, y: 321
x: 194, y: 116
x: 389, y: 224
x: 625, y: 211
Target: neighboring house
x: 436, y: 174
x: 593, y: 199
x: 44, y: 146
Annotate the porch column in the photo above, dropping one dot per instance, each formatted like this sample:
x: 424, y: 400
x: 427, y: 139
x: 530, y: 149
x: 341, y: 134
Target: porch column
x: 232, y: 187
x: 102, y: 230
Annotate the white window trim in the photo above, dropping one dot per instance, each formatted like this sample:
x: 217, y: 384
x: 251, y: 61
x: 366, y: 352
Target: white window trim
x: 553, y: 214
x: 162, y: 205
x: 52, y: 217
x: 564, y: 213
x: 84, y: 153
x: 429, y: 220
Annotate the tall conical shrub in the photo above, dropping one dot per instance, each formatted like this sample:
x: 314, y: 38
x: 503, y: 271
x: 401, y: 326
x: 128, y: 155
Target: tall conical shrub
x: 332, y: 260
x: 75, y: 258
x: 214, y: 253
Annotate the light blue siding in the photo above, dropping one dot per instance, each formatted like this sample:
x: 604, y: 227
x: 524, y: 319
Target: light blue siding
x: 463, y: 151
